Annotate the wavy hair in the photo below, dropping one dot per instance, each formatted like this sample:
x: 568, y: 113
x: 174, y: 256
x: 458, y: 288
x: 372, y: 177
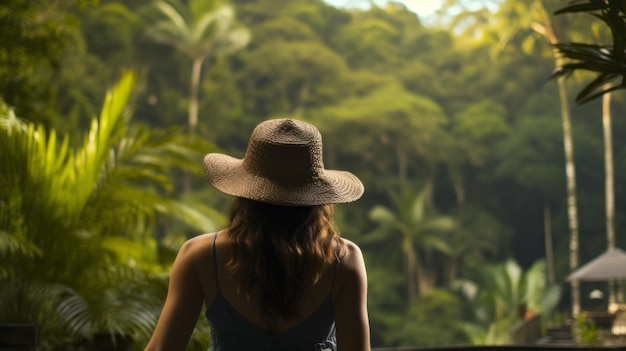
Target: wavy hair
x: 280, y: 251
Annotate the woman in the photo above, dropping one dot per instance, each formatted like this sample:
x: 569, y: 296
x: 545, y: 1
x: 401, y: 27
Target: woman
x: 279, y: 277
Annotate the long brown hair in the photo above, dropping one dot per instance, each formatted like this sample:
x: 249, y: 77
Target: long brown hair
x: 279, y: 251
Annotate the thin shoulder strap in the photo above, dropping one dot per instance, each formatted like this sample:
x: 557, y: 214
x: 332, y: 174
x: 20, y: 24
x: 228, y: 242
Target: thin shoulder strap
x: 215, y: 262
x: 332, y: 287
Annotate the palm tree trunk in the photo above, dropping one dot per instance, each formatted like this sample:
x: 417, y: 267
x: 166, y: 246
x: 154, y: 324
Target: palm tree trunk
x: 608, y: 185
x: 459, y: 191
x: 608, y: 167
x: 572, y: 206
x: 402, y: 165
x: 196, y: 69
x: 570, y: 169
x: 546, y: 28
x: 426, y: 278
x: 453, y: 271
x: 411, y: 270
x: 547, y: 232
x: 192, y: 122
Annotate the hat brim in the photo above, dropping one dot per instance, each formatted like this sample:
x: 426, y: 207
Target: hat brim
x: 227, y: 174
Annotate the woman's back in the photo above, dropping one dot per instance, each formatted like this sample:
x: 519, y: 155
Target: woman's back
x: 237, y: 320
x: 238, y: 323
x: 279, y: 277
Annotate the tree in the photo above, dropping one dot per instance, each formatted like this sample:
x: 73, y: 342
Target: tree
x: 378, y: 118
x: 531, y: 157
x: 202, y: 30
x: 289, y: 70
x: 608, y: 62
x: 86, y: 215
x: 501, y: 296
x: 426, y: 322
x: 294, y: 74
x: 34, y: 35
x: 605, y: 60
x: 518, y: 18
x: 476, y: 130
x: 368, y: 41
x: 418, y: 232
x: 478, y: 237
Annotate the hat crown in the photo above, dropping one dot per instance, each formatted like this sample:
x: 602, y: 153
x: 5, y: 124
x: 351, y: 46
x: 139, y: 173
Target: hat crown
x: 282, y: 166
x: 285, y: 150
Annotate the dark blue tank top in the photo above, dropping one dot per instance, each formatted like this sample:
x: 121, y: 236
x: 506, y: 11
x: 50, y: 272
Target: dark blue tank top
x: 232, y: 332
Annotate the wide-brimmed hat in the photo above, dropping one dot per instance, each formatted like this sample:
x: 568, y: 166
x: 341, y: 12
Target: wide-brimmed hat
x: 282, y: 165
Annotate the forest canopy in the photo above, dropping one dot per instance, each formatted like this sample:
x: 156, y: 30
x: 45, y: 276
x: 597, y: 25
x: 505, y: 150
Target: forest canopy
x: 454, y: 125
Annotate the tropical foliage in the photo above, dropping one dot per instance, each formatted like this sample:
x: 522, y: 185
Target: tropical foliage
x: 204, y: 29
x: 606, y: 60
x: 34, y: 39
x: 77, y: 252
x: 504, y: 296
x: 93, y: 209
x: 419, y: 236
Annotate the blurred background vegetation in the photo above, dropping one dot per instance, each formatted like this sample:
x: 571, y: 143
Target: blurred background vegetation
x: 453, y: 124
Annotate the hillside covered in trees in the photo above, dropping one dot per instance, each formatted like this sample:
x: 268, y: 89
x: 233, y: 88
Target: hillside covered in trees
x: 455, y: 127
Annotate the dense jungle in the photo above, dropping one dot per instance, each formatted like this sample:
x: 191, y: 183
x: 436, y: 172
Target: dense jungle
x: 455, y: 124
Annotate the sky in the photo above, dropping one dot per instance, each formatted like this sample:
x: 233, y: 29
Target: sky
x: 423, y: 8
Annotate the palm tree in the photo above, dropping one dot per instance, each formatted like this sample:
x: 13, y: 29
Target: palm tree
x: 605, y: 60
x: 608, y: 62
x: 531, y: 17
x: 418, y: 231
x: 501, y: 296
x: 204, y: 29
x: 77, y: 254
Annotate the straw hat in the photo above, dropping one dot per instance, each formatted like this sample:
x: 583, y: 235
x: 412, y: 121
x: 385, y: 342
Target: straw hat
x: 283, y: 166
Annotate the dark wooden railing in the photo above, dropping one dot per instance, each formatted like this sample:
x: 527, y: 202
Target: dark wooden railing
x: 528, y: 331
x: 505, y: 348
x: 18, y: 337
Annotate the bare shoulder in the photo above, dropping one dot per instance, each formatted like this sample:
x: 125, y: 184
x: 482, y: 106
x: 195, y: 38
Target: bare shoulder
x: 351, y: 274
x: 352, y: 257
x: 195, y: 257
x: 197, y: 248
x: 351, y: 316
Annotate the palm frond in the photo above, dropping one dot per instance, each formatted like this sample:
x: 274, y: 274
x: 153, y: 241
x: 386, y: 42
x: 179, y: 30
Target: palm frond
x: 237, y: 39
x: 197, y: 215
x: 11, y: 244
x: 167, y: 33
x: 417, y: 208
x: 582, y: 6
x: 606, y: 60
x: 73, y: 311
x: 72, y: 212
x: 586, y: 52
x: 539, y: 295
x: 439, y: 224
x: 92, y: 157
x: 467, y: 288
x: 209, y: 29
x: 33, y: 302
x: 435, y: 242
x: 199, y: 7
x: 382, y: 215
x: 378, y: 235
x: 173, y: 16
x: 120, y: 308
x: 476, y: 333
x: 599, y: 86
x: 213, y: 24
